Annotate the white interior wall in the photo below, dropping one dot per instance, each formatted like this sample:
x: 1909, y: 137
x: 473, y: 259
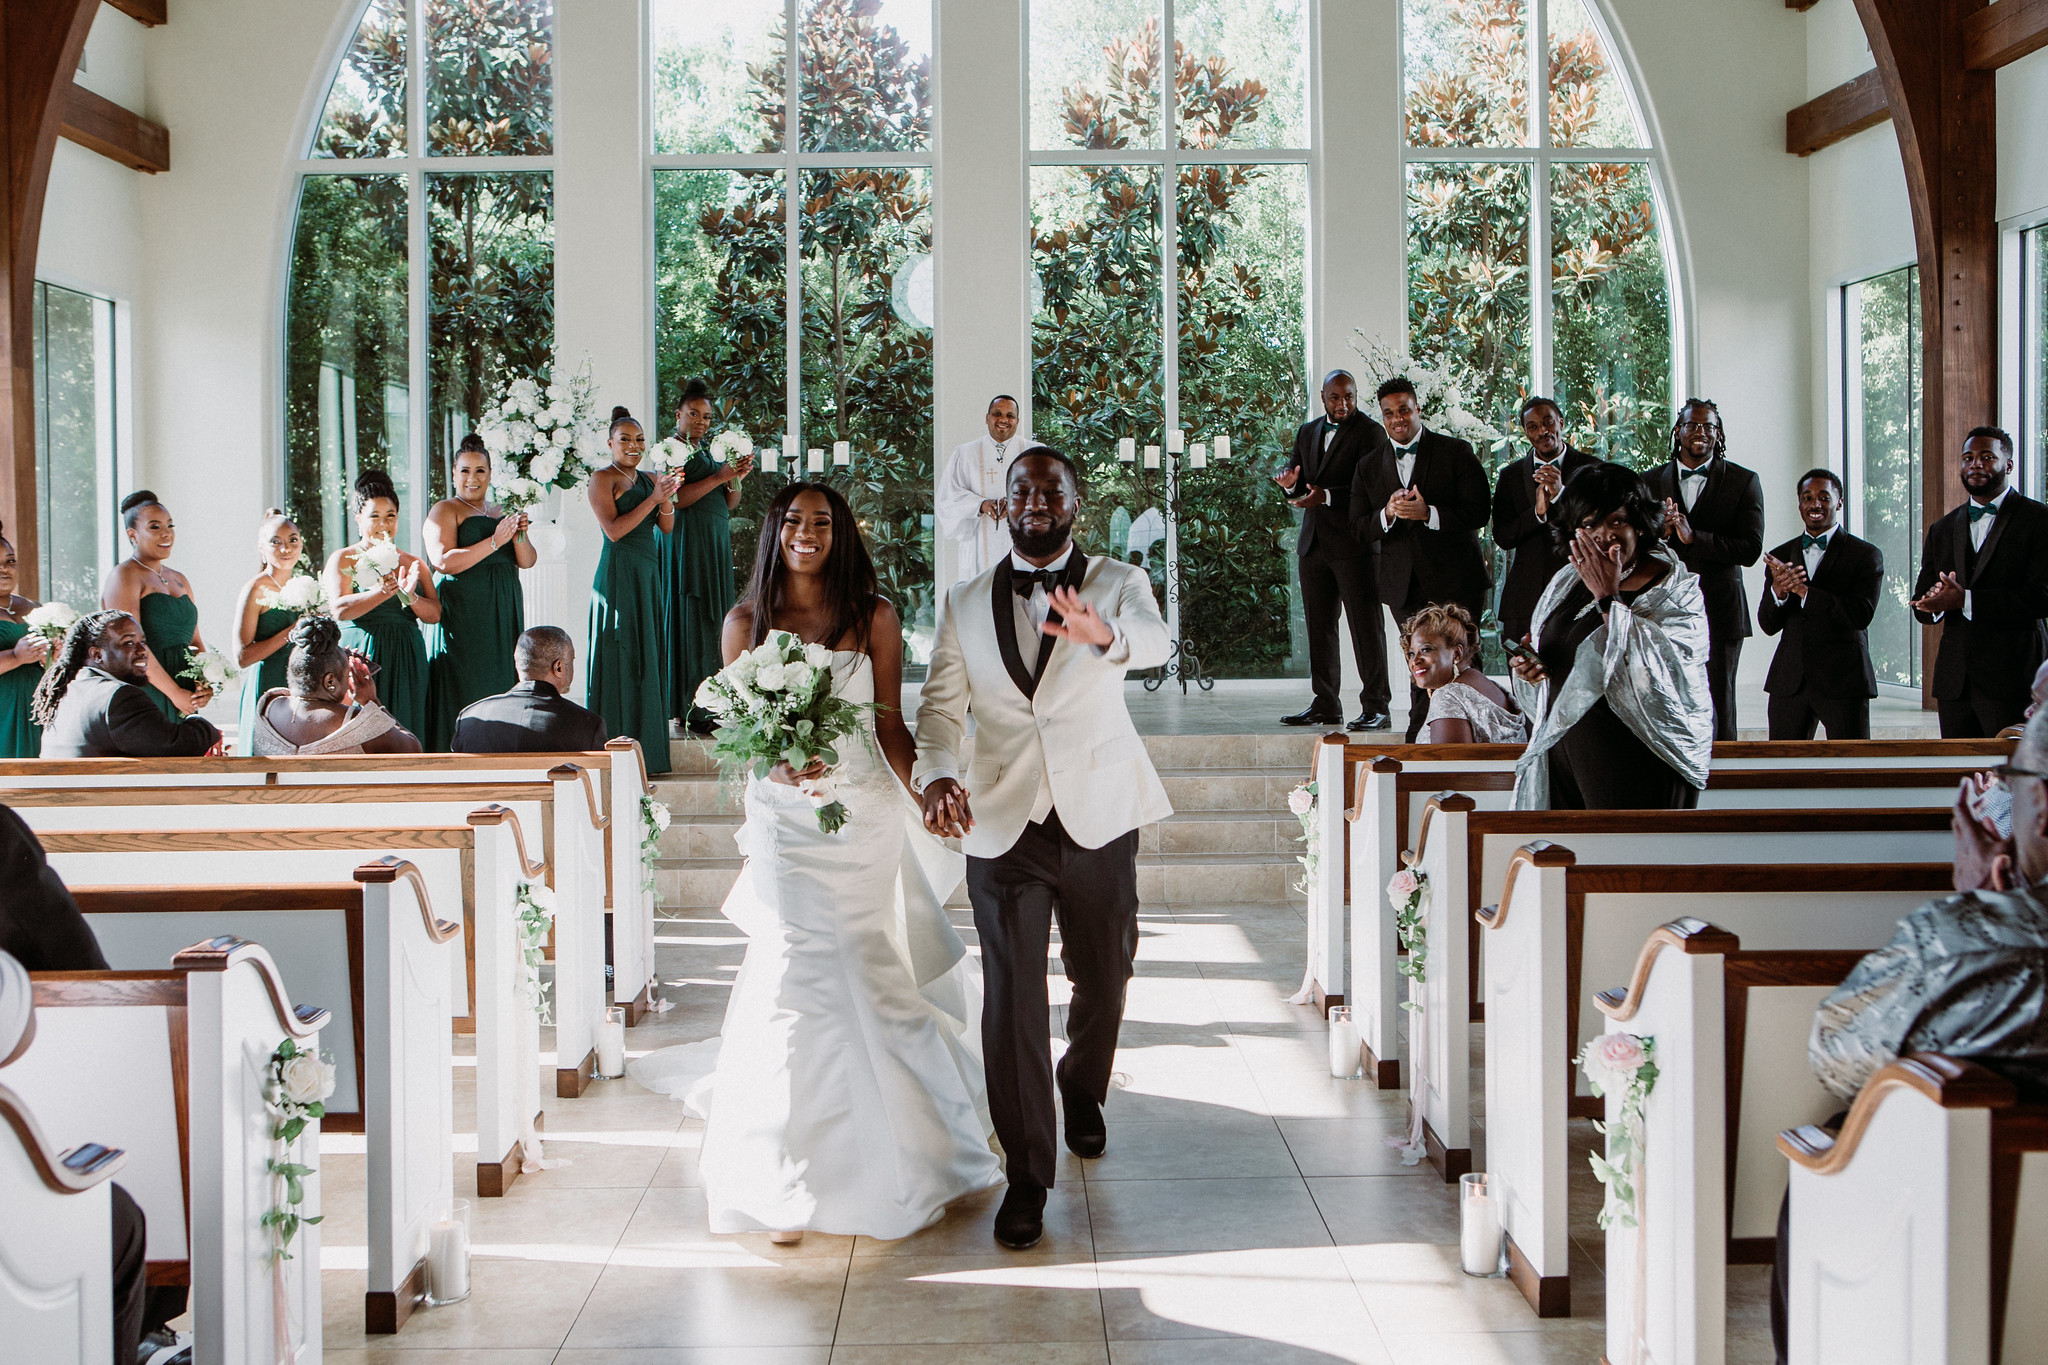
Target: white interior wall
x: 92, y: 219
x: 237, y: 80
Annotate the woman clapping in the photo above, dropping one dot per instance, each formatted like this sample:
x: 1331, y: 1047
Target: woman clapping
x: 160, y: 599
x: 263, y: 629
x: 21, y: 663
x: 477, y: 551
x: 378, y: 623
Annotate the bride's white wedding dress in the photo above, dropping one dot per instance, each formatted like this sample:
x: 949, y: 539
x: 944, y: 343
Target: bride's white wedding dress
x: 845, y: 1091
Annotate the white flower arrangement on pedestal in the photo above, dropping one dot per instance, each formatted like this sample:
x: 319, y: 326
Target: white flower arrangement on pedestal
x: 542, y: 434
x: 1440, y: 396
x: 52, y: 621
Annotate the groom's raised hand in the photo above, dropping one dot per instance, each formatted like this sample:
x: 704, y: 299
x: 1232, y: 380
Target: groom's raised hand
x: 945, y: 808
x: 1079, y: 622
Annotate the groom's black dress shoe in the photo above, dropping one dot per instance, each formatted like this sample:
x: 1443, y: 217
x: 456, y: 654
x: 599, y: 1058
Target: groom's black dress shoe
x: 1374, y: 720
x: 1314, y: 716
x: 1020, y: 1222
x: 1087, y: 1134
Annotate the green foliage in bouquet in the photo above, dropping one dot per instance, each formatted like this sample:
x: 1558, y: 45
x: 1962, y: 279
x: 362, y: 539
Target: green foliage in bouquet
x: 775, y: 704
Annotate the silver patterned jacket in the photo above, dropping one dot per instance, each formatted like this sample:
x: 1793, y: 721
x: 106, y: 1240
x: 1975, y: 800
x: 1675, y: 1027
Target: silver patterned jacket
x: 1649, y: 661
x: 1966, y: 975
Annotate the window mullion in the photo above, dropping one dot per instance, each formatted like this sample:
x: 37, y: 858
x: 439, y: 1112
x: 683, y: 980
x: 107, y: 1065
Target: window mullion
x: 792, y: 240
x: 1540, y: 378
x: 1169, y: 261
x: 419, y: 264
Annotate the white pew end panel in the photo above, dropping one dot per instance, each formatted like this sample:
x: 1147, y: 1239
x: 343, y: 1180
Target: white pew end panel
x: 56, y: 1252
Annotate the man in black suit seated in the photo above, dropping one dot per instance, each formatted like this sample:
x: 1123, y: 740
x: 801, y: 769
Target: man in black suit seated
x: 91, y: 703
x: 1714, y: 520
x: 1336, y: 567
x: 1823, y: 591
x: 1421, y: 497
x: 534, y: 717
x: 1522, y: 499
x: 1984, y: 577
x: 42, y: 929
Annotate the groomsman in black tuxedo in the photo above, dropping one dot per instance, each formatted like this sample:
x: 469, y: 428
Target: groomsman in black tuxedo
x: 1336, y: 566
x: 1422, y: 497
x: 1823, y: 590
x: 1528, y: 489
x: 1984, y: 577
x: 1714, y: 520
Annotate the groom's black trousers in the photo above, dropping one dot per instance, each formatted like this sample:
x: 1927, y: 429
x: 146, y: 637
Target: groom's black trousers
x: 1093, y: 894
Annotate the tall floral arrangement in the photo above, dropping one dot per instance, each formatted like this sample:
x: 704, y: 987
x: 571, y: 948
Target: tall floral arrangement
x: 542, y: 433
x: 1438, y: 392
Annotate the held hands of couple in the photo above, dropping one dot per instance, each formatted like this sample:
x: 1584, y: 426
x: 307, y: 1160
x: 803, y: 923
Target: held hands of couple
x: 1946, y: 595
x: 946, y: 813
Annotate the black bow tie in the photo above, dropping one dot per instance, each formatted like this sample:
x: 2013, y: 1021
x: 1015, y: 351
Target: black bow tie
x: 1037, y: 578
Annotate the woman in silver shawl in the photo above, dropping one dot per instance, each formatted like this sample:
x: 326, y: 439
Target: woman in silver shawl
x: 1620, y: 677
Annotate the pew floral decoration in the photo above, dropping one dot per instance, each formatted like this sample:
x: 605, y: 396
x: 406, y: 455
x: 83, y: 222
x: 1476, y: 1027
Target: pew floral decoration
x: 1302, y: 802
x: 1624, y: 1063
x: 1408, y: 893
x: 534, y: 919
x: 296, y: 1091
x: 654, y: 818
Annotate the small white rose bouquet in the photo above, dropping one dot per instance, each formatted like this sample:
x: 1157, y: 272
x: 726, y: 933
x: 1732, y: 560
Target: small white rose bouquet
x: 209, y: 667
x: 302, y: 594
x: 731, y: 445
x: 372, y: 563
x: 775, y: 705
x: 543, y: 434
x: 665, y: 455
x: 52, y: 621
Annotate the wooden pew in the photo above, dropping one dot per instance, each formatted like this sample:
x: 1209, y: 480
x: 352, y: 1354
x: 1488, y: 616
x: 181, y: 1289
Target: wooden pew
x: 57, y: 1292
x: 1730, y: 1027
x: 566, y: 808
x: 1917, y: 1233
x: 141, y: 889
x: 1390, y: 796
x: 172, y: 1065
x: 1563, y: 922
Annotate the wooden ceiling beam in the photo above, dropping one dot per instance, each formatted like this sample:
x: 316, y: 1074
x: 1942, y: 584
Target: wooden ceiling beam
x: 1842, y: 112
x: 98, y: 124
x: 1999, y: 35
x: 147, y: 12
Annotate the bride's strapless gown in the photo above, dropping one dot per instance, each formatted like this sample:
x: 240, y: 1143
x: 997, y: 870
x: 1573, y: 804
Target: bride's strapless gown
x: 845, y: 1093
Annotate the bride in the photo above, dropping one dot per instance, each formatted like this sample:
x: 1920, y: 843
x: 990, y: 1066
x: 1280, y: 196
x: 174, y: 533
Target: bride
x: 845, y: 1092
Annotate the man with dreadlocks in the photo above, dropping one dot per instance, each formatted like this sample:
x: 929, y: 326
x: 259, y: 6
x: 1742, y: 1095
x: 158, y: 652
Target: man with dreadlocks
x: 91, y: 702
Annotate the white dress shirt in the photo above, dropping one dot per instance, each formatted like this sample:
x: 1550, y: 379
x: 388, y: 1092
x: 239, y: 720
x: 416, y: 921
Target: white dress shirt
x: 1980, y: 531
x: 1692, y: 482
x: 1404, y: 466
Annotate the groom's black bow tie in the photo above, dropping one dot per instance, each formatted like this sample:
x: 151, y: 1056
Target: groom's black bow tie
x: 1045, y: 578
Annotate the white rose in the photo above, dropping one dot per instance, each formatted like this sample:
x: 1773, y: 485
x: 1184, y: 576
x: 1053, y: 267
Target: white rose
x: 768, y: 652
x: 770, y: 677
x: 708, y: 696
x: 306, y: 1079
x: 547, y: 467
x: 559, y: 437
x: 817, y: 656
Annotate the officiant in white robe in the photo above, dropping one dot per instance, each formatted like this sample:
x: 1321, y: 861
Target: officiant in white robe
x: 971, y: 491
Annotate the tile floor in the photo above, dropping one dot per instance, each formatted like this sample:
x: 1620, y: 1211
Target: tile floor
x: 1249, y: 1210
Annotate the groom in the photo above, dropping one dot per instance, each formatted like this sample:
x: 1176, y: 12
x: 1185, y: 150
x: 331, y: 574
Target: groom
x: 1056, y: 789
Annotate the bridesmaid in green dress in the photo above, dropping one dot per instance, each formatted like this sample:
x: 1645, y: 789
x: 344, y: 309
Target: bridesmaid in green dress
x: 21, y: 665
x: 627, y: 678
x: 477, y: 551
x: 700, y: 585
x: 264, y: 631
x: 376, y: 624
x: 160, y: 599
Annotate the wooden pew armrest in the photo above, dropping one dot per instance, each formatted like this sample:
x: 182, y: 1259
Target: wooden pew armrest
x: 1542, y: 853
x: 1949, y: 1082
x: 71, y: 1172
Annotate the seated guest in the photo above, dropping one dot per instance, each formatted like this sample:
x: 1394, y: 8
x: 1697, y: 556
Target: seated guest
x: 534, y: 717
x: 93, y: 700
x: 41, y: 930
x: 2037, y: 693
x: 1619, y: 677
x: 1823, y: 591
x: 329, y: 705
x: 1465, y: 706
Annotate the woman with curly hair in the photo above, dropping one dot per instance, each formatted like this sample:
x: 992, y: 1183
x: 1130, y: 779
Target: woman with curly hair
x: 329, y: 704
x: 379, y: 625
x: 1465, y: 706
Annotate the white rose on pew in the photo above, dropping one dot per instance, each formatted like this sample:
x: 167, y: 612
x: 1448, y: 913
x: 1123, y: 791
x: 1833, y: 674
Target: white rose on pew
x: 1618, y: 1054
x: 1403, y: 884
x: 1300, y: 801
x: 306, y: 1079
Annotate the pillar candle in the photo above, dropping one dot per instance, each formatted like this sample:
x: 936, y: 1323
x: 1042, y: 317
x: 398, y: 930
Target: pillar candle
x: 1222, y: 447
x: 611, y: 1045
x: 1344, y: 1043
x: 1176, y: 440
x: 1478, y: 1226
x: 842, y: 453
x: 448, y: 1260
x: 1127, y: 450
x: 1151, y: 457
x: 816, y: 461
x: 1198, y: 456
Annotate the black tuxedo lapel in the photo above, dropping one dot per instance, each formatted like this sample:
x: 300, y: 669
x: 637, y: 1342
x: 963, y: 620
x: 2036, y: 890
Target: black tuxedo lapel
x: 1998, y: 525
x: 1965, y: 552
x: 1001, y: 596
x: 1071, y: 576
x: 1827, y: 554
x: 1319, y: 451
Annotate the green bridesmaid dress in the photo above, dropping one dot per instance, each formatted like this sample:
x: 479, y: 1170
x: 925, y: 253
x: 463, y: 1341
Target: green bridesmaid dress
x: 629, y: 634
x: 167, y: 623
x: 469, y: 651
x: 268, y: 673
x: 389, y: 635
x: 700, y: 587
x: 20, y: 737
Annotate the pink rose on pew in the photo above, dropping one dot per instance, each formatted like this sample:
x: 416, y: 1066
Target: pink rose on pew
x: 1618, y: 1054
x: 306, y: 1079
x: 1301, y: 800
x: 1403, y: 884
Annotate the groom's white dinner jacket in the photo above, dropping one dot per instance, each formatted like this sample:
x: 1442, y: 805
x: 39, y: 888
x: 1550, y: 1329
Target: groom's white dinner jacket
x: 1062, y: 741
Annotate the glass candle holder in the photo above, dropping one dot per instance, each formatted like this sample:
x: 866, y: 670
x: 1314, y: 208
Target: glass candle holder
x: 1479, y: 1230
x: 1345, y: 1062
x: 448, y: 1255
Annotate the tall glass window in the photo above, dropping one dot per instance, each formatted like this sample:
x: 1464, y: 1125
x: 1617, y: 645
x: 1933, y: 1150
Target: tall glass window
x: 2033, y: 432
x: 1880, y: 322
x: 1185, y: 311
x: 813, y: 319
x: 472, y: 205
x: 75, y: 426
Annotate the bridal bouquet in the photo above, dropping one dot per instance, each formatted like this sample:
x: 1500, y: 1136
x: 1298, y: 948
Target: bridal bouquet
x: 774, y: 704
x: 209, y: 667
x: 543, y: 434
x: 372, y: 563
x: 51, y: 621
x: 301, y: 594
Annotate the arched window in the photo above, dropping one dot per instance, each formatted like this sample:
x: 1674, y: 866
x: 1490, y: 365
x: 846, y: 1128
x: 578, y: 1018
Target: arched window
x: 1512, y: 160
x: 817, y: 323
x: 471, y: 201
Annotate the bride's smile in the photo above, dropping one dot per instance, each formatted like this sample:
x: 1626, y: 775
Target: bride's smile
x: 807, y: 533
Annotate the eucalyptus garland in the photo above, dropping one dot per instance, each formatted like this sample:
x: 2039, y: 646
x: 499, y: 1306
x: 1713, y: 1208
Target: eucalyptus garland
x: 1628, y: 1063
x: 297, y: 1083
x: 654, y: 818
x: 1408, y: 892
x: 1302, y: 801
x: 535, y: 918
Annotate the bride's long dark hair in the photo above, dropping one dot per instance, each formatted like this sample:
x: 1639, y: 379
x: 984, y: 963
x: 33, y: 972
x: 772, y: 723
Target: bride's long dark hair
x: 849, y: 574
